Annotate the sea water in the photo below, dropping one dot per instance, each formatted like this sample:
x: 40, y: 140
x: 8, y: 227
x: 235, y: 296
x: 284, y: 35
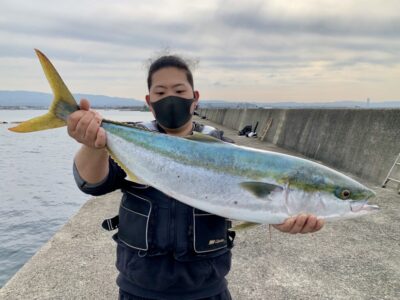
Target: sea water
x: 37, y: 191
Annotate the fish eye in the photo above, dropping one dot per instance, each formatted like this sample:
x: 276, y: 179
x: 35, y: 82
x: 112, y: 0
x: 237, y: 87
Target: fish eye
x: 345, y: 194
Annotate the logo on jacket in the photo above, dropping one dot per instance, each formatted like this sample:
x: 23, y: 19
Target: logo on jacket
x: 214, y: 242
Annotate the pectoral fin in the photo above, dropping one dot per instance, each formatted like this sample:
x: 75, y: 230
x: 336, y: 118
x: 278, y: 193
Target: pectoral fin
x: 260, y: 189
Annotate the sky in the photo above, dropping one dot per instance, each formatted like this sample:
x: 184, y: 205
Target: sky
x: 256, y: 51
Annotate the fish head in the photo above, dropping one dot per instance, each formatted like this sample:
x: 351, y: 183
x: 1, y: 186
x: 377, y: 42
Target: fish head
x: 356, y: 196
x: 329, y: 194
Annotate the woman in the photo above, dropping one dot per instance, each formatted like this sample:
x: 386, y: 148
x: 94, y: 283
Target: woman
x: 163, y: 246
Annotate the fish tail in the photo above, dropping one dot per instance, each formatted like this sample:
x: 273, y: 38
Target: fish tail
x: 62, y: 106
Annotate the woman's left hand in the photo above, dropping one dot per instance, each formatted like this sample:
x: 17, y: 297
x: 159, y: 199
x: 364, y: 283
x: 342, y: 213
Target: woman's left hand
x: 301, y: 224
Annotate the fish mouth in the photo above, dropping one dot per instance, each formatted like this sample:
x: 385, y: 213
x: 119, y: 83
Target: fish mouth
x: 363, y: 206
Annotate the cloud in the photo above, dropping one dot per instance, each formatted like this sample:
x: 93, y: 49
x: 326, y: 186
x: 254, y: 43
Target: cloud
x: 242, y: 46
x: 262, y: 21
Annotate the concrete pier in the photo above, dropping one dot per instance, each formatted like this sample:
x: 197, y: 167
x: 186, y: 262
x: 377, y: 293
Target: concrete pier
x: 353, y: 259
x: 363, y: 142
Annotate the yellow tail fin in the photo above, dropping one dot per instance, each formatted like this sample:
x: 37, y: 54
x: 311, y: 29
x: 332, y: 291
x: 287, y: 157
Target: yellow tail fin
x: 63, y: 103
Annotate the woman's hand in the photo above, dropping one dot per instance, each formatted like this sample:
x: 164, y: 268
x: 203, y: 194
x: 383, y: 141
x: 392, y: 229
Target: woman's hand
x: 301, y: 224
x: 84, y: 126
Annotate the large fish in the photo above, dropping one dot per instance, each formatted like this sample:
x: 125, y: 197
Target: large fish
x: 232, y: 181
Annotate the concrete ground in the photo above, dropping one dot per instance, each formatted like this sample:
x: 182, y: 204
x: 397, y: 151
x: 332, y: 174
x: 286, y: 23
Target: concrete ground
x: 353, y: 259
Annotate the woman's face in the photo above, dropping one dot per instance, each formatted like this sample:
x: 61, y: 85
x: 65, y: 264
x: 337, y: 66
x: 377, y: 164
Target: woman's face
x: 170, y: 82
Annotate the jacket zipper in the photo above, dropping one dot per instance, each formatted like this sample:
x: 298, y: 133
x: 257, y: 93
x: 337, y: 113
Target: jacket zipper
x: 172, y: 226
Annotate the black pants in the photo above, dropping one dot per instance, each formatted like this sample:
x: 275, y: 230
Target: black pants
x: 225, y: 295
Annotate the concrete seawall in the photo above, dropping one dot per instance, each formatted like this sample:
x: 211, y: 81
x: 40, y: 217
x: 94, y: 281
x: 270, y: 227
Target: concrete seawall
x: 362, y: 142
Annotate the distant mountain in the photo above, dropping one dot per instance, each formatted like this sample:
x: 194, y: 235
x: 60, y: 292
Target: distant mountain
x: 42, y: 100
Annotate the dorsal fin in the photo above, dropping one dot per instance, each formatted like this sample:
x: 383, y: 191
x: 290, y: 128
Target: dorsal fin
x: 200, y: 137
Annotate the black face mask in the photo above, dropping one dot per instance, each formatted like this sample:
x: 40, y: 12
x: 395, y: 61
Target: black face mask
x: 172, y: 112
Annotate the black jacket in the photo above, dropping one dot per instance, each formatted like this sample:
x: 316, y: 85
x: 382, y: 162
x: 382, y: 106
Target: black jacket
x: 165, y: 248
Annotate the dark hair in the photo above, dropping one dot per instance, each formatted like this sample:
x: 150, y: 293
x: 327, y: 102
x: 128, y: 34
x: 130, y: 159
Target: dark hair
x: 167, y: 61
